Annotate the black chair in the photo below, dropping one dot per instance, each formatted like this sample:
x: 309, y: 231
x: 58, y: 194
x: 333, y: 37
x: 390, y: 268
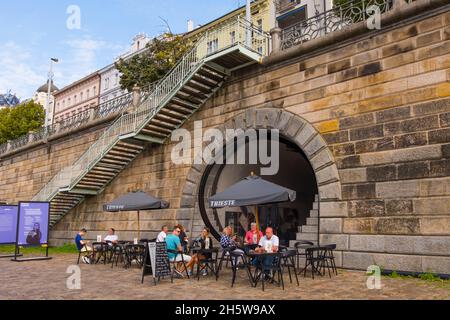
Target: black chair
x: 134, y: 252
x: 301, y: 246
x: 315, y: 260
x: 225, y: 256
x: 118, y: 253
x: 100, y: 251
x: 207, y: 260
x: 328, y: 259
x: 240, y: 261
x: 288, y: 261
x: 84, y: 253
x: 174, y: 263
x: 274, y: 269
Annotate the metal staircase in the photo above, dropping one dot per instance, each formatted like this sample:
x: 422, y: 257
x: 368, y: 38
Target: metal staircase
x: 174, y: 99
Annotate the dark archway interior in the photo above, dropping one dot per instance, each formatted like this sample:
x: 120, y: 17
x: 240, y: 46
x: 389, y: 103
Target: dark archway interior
x: 295, y: 172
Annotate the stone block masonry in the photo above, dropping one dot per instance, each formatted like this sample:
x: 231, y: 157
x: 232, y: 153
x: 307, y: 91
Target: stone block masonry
x: 372, y: 114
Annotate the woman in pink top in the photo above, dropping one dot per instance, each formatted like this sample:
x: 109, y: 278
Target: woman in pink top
x: 251, y: 237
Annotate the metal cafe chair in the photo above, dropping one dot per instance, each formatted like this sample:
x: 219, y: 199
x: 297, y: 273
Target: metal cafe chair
x: 225, y: 256
x: 314, y: 259
x: 328, y: 261
x: 173, y: 263
x: 288, y: 261
x: 81, y: 252
x: 275, y: 269
x: 240, y: 261
x: 134, y: 252
x: 207, y: 261
x: 301, y: 246
x: 100, y: 251
x: 118, y: 253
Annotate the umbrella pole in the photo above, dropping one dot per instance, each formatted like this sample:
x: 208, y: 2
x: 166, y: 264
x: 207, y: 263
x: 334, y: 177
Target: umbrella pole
x: 139, y: 226
x: 257, y: 223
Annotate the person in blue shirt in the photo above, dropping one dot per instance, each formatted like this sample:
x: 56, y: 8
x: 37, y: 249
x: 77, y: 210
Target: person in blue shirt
x: 83, y: 246
x: 173, y: 243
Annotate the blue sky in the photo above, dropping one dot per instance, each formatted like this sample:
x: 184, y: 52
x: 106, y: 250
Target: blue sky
x: 35, y: 30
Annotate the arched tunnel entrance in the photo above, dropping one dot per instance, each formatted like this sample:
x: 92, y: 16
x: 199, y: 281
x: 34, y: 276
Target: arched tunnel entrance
x: 295, y: 172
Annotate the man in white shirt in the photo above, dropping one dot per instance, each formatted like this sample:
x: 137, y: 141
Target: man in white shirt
x: 163, y: 234
x: 111, y: 238
x: 270, y: 244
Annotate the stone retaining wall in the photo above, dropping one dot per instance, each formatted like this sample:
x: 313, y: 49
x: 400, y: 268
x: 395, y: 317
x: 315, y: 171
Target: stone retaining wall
x: 378, y: 108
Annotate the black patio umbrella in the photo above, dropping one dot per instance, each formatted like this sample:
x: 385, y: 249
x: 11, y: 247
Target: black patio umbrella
x: 252, y: 191
x: 136, y: 201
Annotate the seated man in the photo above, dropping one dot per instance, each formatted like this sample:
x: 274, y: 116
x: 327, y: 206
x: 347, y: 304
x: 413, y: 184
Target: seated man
x: 83, y: 246
x: 111, y: 238
x: 270, y: 244
x: 163, y: 234
x: 228, y: 241
x: 173, y: 243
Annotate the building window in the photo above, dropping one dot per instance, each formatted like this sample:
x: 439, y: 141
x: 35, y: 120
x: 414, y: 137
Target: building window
x: 81, y: 96
x: 213, y: 46
x: 69, y: 102
x: 233, y: 37
x: 259, y: 24
x: 87, y: 93
x: 95, y: 91
x: 106, y: 83
x: 117, y: 79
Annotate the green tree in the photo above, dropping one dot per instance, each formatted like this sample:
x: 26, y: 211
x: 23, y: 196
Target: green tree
x: 154, y: 63
x: 19, y: 120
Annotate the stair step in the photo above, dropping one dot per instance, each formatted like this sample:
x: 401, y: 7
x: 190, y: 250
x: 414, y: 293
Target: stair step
x: 315, y: 206
x: 197, y: 86
x: 307, y: 236
x: 170, y: 113
x: 189, y: 99
x: 193, y: 93
x: 166, y: 119
x: 205, y: 81
x: 314, y: 213
x: 312, y: 221
x: 310, y: 229
x: 206, y: 73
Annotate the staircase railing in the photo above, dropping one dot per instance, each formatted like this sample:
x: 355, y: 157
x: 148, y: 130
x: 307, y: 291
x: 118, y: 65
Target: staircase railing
x: 224, y: 36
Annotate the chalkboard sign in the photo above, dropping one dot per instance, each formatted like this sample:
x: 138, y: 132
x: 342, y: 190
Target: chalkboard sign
x: 156, y: 261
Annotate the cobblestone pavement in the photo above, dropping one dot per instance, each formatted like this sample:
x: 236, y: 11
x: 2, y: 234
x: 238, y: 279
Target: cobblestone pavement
x: 47, y: 280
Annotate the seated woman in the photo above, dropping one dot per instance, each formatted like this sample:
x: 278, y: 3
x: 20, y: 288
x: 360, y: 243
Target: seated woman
x: 251, y: 237
x: 205, y: 242
x: 228, y: 241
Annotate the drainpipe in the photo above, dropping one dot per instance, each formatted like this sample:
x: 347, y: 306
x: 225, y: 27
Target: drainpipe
x: 248, y: 17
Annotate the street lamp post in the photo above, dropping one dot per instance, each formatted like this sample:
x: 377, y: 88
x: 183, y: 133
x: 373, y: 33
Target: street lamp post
x: 49, y: 91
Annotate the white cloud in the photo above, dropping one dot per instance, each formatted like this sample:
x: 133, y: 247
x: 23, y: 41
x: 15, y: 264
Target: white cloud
x: 23, y: 72
x: 83, y: 57
x: 17, y: 71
